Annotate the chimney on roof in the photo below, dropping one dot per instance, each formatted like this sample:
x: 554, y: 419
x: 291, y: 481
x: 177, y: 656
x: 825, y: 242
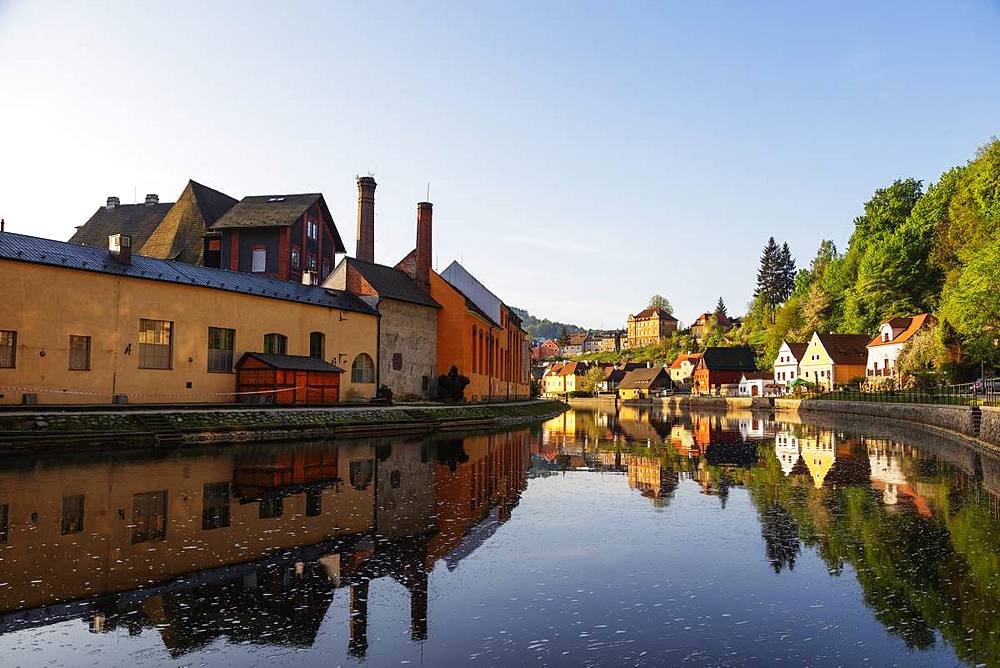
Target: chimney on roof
x: 152, y: 199
x: 112, y: 202
x: 308, y: 277
x: 120, y: 248
x: 366, y: 219
x: 424, y: 244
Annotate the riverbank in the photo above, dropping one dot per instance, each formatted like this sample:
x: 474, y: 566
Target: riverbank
x: 677, y: 401
x: 69, y: 430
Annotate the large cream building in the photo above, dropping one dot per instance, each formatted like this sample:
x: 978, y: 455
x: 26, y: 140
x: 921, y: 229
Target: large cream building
x: 85, y: 325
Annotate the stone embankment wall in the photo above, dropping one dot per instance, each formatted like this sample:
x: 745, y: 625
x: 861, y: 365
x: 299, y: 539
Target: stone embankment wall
x: 989, y: 429
x: 953, y: 418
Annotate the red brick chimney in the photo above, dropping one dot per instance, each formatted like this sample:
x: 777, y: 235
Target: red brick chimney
x: 424, y: 246
x: 366, y: 219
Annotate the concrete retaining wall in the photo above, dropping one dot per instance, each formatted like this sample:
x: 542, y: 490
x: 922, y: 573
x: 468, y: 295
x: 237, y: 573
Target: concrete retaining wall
x: 989, y: 429
x: 954, y: 418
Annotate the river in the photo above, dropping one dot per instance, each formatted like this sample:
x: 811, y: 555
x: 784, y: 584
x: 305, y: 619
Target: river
x: 596, y: 538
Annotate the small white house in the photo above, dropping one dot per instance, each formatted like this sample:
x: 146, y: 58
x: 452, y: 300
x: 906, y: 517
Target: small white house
x: 787, y: 450
x: 887, y: 344
x: 757, y: 384
x: 786, y: 364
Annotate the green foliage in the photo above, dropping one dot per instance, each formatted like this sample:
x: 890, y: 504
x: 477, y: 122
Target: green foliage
x: 588, y: 383
x: 910, y: 252
x: 720, y: 309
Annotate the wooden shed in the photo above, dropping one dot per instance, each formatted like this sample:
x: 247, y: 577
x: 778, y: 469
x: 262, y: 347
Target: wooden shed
x: 287, y: 379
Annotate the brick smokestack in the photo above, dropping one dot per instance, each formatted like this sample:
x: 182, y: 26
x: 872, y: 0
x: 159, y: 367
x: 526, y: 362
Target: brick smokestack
x: 424, y: 246
x: 366, y: 219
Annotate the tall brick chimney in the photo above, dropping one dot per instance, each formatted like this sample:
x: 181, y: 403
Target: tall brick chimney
x: 366, y: 219
x: 424, y: 246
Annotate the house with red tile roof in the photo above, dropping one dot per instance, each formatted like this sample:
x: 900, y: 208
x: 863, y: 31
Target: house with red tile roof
x: 649, y: 326
x: 892, y: 335
x: 682, y: 368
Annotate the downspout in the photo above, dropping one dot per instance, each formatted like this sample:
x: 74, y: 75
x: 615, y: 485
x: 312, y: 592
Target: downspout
x: 378, y: 349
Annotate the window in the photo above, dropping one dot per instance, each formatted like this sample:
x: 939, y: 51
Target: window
x: 361, y: 473
x: 220, y: 349
x: 275, y: 344
x: 317, y: 345
x: 79, y: 353
x: 4, y: 522
x: 72, y: 514
x: 259, y: 262
x: 312, y: 229
x: 215, y: 506
x: 311, y: 261
x: 215, y: 244
x: 270, y: 508
x: 314, y: 503
x: 363, y: 369
x: 296, y: 259
x: 149, y: 516
x: 155, y: 344
x: 397, y: 362
x: 8, y: 349
x: 326, y: 267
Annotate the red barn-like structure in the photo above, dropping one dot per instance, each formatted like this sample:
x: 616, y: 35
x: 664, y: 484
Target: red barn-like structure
x: 287, y: 380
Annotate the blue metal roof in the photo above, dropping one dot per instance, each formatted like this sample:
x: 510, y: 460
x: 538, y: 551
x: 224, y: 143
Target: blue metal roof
x: 22, y: 248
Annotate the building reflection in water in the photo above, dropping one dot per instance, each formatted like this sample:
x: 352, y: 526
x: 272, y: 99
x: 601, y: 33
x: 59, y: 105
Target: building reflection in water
x: 248, y: 544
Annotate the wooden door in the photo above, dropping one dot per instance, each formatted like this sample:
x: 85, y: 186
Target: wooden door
x: 301, y: 387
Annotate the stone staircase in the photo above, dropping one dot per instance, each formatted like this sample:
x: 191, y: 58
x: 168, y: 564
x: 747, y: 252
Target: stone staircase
x: 164, y: 429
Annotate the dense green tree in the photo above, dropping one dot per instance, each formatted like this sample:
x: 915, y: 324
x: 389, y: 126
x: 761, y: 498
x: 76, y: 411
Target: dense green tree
x: 720, y: 309
x: 786, y: 272
x: 971, y: 303
x: 564, y: 336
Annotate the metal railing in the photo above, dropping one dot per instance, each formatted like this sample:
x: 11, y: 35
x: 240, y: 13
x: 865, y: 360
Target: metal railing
x: 984, y: 392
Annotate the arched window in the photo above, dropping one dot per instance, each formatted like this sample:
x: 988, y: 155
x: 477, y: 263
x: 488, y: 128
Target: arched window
x: 275, y: 344
x: 475, y: 350
x: 363, y: 369
x: 317, y: 345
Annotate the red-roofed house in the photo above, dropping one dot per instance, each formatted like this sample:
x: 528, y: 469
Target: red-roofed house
x: 892, y: 335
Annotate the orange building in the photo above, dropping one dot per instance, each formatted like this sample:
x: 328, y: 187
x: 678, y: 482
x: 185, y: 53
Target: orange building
x: 490, y: 349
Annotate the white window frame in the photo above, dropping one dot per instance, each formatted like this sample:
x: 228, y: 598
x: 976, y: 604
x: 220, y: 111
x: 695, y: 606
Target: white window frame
x: 261, y: 255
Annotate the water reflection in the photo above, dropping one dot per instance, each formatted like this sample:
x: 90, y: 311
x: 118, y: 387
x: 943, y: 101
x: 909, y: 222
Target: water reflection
x: 692, y: 519
x: 247, y: 544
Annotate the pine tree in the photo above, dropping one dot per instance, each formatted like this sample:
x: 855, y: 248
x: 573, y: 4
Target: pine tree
x: 720, y: 310
x: 769, y: 276
x: 787, y: 272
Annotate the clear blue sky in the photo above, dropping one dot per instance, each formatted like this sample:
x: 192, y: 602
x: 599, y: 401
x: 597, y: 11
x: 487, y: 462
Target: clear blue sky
x: 581, y: 156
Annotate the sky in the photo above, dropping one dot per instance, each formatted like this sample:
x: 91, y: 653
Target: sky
x: 581, y: 156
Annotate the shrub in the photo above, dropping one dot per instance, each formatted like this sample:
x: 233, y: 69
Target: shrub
x: 451, y: 387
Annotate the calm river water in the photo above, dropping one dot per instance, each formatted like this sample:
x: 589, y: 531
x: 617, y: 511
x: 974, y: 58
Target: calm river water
x: 636, y: 538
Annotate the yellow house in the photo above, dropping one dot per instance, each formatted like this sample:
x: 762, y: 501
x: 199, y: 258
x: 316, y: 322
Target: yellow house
x: 819, y: 453
x: 640, y: 384
x: 85, y: 325
x: 834, y: 359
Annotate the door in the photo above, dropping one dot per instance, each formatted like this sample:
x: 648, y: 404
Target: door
x: 754, y: 390
x: 301, y: 388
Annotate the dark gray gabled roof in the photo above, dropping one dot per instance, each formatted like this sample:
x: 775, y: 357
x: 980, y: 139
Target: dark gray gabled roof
x: 22, y: 248
x: 136, y: 220
x: 729, y: 359
x: 292, y: 362
x: 392, y: 283
x: 276, y: 211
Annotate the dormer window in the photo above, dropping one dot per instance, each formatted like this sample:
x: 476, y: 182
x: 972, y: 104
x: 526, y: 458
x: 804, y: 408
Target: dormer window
x: 885, y: 336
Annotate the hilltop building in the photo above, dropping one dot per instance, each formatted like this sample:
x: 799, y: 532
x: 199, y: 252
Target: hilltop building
x: 704, y: 323
x: 649, y: 326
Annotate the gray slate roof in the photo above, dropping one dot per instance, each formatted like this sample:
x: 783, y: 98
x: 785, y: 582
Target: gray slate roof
x: 739, y: 358
x: 136, y: 220
x: 292, y: 362
x: 392, y: 283
x: 22, y: 248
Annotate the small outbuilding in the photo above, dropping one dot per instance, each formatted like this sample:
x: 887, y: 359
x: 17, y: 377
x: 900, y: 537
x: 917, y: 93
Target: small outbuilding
x: 640, y: 384
x: 287, y: 379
